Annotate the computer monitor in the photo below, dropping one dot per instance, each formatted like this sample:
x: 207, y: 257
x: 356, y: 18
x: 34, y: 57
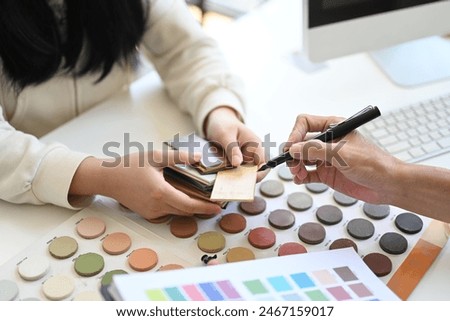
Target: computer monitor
x: 402, y: 36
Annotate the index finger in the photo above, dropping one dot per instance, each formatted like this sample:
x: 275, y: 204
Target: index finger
x: 310, y: 123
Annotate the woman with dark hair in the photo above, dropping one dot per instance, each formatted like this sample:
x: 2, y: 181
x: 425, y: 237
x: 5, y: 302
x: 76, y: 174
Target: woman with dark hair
x: 59, y: 58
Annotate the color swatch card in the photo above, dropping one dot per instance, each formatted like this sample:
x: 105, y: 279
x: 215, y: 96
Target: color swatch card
x: 336, y: 275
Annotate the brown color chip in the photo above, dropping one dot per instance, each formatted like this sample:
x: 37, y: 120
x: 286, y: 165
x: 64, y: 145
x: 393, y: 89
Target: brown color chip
x: 205, y: 216
x: 360, y: 228
x: 281, y: 219
x: 379, y: 263
x: 376, y: 211
x: 237, y: 254
x: 299, y: 201
x: 91, y: 227
x: 262, y: 237
x: 271, y: 188
x: 409, y: 223
x: 233, y: 223
x: 393, y: 243
x: 116, y: 243
x: 290, y: 248
x: 159, y: 220
x: 343, y: 243
x: 143, y: 259
x: 183, y: 226
x: 211, y: 242
x: 329, y: 214
x: 253, y: 208
x: 311, y: 233
x: 343, y: 199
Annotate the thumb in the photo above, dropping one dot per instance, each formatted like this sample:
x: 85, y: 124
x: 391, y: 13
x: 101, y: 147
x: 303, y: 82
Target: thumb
x: 312, y: 150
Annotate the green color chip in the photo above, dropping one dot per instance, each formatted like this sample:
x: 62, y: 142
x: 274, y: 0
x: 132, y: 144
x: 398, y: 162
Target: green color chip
x: 316, y: 295
x: 107, y: 278
x: 255, y: 287
x: 155, y: 295
x: 89, y: 264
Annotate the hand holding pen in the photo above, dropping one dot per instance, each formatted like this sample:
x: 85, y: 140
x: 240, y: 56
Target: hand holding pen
x: 337, y: 131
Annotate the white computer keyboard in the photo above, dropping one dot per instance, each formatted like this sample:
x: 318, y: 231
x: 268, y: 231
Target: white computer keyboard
x: 415, y: 132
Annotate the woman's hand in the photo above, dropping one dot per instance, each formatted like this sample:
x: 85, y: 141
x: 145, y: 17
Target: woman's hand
x: 137, y: 182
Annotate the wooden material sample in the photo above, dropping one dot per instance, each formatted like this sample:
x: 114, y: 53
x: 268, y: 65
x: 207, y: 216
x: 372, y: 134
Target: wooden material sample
x: 237, y: 184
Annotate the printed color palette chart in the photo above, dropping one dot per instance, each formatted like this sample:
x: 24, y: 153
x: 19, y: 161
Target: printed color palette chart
x: 336, y: 275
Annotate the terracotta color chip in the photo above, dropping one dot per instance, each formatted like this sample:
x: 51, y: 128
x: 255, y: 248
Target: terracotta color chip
x: 360, y: 228
x: 376, y: 211
x: 253, y: 208
x: 63, y: 247
x: 299, y: 201
x: 91, y: 227
x: 409, y: 223
x: 271, y: 188
x: 89, y: 264
x: 281, y: 219
x: 205, y: 216
x: 233, y: 223
x: 393, y: 243
x: 329, y: 214
x: 160, y: 220
x: 379, y: 263
x: 211, y: 242
x: 316, y: 187
x: 343, y: 243
x: 170, y: 267
x: 143, y: 259
x: 262, y: 237
x: 343, y: 199
x: 116, y: 243
x: 183, y: 226
x: 290, y: 248
x: 311, y: 233
x: 238, y: 254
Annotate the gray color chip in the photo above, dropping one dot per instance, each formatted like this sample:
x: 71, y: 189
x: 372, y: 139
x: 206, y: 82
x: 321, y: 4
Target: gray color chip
x: 299, y: 201
x: 285, y: 173
x: 360, y: 228
x: 311, y: 233
x: 393, y: 243
x: 316, y: 187
x: 281, y: 219
x: 329, y: 214
x: 8, y: 290
x: 271, y: 188
x: 409, y: 223
x: 343, y: 199
x: 376, y: 211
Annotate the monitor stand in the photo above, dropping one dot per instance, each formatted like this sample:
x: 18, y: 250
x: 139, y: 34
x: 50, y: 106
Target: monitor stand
x: 417, y: 62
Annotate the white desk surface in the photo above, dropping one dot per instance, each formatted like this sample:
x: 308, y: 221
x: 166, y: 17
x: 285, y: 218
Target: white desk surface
x: 259, y: 47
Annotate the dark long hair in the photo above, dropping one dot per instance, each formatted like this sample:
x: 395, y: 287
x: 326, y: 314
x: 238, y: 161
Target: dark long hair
x: 32, y: 48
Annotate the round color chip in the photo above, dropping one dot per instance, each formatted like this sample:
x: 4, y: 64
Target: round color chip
x: 271, y: 188
x: 205, y: 216
x: 343, y: 199
x: 238, y: 254
x: 262, y: 237
x: 170, y: 267
x: 58, y: 287
x: 257, y: 206
x: 159, y: 220
x: 211, y: 242
x: 116, y: 243
x: 311, y: 233
x: 284, y: 173
x: 8, y: 290
x: 63, y: 247
x: 378, y: 263
x: 33, y: 268
x: 233, y: 223
x: 183, y: 226
x: 281, y: 219
x: 409, y: 223
x: 299, y: 201
x: 316, y: 187
x: 290, y: 248
x: 91, y: 227
x: 89, y: 264
x: 88, y: 296
x: 143, y: 259
x: 329, y: 214
x: 360, y: 228
x: 108, y: 277
x: 376, y: 211
x: 343, y: 243
x: 393, y: 243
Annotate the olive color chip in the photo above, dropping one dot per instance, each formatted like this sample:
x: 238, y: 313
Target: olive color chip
x: 238, y: 254
x: 282, y: 219
x: 211, y: 242
x: 271, y: 188
x: 63, y: 247
x: 343, y: 243
x: 378, y: 263
x: 285, y: 173
x: 329, y: 214
x: 108, y: 277
x: 343, y: 199
x: 360, y: 228
x: 257, y: 206
x: 89, y: 264
x: 409, y: 223
x: 233, y: 223
x: 299, y: 201
x: 183, y: 226
x: 393, y: 243
x: 316, y: 187
x: 143, y: 259
x: 290, y: 248
x: 311, y: 233
x: 376, y: 211
x: 262, y: 237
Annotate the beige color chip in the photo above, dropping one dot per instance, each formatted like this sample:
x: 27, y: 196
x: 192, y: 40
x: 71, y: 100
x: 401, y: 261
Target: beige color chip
x: 33, y: 268
x: 116, y: 243
x: 237, y: 184
x: 170, y: 267
x: 91, y: 227
x: 237, y: 254
x: 211, y: 242
x: 143, y: 259
x: 58, y: 287
x: 63, y: 247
